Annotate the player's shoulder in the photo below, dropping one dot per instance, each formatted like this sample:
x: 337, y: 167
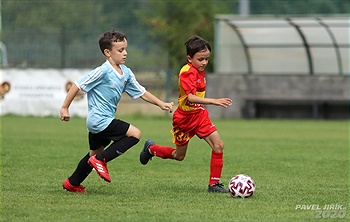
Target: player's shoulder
x: 105, y: 67
x: 188, y: 70
x: 185, y: 68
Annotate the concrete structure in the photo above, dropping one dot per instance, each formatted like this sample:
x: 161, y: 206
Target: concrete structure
x: 280, y: 96
x: 273, y: 67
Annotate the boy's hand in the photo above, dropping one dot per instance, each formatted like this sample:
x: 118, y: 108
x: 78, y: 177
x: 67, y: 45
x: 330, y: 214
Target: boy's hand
x: 64, y: 114
x: 224, y: 102
x: 168, y: 106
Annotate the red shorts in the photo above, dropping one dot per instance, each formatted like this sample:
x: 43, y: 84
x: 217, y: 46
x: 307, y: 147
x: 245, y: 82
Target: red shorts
x: 186, y: 125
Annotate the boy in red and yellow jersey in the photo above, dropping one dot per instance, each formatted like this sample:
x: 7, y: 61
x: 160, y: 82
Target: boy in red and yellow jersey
x: 191, y: 117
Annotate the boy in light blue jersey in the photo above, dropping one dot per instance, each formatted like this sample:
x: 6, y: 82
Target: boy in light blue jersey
x: 104, y: 87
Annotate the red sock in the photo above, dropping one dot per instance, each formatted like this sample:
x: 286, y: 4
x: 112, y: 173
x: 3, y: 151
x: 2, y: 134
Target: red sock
x: 216, y: 164
x: 164, y: 152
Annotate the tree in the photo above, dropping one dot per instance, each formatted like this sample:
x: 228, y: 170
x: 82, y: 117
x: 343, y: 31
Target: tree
x: 172, y: 22
x: 41, y: 14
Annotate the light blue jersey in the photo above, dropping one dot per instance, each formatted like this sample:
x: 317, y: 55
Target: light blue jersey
x: 104, y: 87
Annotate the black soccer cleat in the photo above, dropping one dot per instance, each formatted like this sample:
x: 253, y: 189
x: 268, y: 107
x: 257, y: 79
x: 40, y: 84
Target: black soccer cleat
x: 217, y: 188
x: 145, y: 155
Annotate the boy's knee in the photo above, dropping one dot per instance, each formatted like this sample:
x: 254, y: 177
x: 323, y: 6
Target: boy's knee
x: 134, y: 132
x: 138, y: 134
x: 218, y: 147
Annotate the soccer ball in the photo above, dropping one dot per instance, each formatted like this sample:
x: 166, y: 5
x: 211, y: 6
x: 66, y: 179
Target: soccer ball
x: 241, y: 186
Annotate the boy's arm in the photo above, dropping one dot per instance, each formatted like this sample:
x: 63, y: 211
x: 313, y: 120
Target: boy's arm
x: 64, y: 112
x: 149, y: 97
x: 224, y: 102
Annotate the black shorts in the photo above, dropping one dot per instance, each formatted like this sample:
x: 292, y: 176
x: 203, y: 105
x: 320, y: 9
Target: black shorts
x: 115, y: 131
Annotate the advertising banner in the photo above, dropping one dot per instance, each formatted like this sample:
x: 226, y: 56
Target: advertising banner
x: 39, y: 92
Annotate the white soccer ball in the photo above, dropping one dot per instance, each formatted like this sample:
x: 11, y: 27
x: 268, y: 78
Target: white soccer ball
x: 241, y: 186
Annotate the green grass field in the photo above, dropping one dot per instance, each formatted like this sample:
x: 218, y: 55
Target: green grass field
x: 293, y: 163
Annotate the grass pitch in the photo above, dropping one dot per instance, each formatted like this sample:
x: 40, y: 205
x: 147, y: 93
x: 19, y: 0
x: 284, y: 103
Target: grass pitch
x: 299, y: 167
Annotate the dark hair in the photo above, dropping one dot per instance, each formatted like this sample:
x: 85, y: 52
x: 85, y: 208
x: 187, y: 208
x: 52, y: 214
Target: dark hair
x: 106, y: 39
x: 195, y: 44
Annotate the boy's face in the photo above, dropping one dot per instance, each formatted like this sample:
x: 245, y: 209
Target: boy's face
x: 200, y: 59
x: 117, y: 54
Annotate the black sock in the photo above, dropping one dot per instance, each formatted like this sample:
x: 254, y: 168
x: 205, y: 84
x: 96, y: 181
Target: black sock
x: 117, y: 148
x: 81, y: 172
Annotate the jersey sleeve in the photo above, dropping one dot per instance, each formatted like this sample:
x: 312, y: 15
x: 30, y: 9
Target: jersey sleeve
x: 90, y: 80
x: 187, y: 81
x: 133, y: 88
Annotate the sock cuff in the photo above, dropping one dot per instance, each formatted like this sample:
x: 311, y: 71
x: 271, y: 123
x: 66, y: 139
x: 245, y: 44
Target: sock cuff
x: 217, y: 155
